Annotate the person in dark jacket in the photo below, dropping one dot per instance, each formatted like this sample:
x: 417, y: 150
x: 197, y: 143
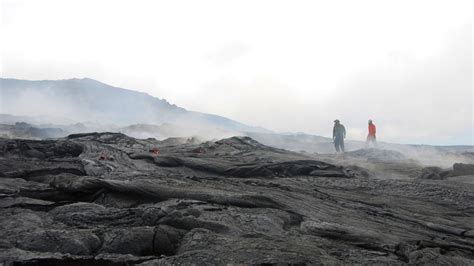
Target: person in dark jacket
x: 338, y: 135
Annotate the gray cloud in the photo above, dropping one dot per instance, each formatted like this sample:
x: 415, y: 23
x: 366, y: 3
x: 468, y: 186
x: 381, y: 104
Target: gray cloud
x: 228, y: 52
x: 284, y: 66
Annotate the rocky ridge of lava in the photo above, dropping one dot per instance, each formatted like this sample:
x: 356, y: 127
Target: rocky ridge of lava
x: 108, y: 199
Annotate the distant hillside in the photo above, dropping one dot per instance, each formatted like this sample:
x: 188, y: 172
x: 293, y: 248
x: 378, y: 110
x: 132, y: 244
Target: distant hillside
x: 22, y: 130
x: 92, y: 101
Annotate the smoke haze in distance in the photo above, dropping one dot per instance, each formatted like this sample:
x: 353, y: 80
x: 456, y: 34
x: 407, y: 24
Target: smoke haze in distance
x: 283, y: 65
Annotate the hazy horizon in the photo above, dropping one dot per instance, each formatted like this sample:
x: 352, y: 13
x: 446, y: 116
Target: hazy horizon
x: 281, y: 65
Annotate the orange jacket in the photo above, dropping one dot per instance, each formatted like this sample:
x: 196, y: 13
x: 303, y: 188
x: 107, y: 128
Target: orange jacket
x: 371, y: 130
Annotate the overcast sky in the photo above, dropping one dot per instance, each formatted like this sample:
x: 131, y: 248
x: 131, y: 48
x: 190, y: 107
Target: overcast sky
x: 283, y: 65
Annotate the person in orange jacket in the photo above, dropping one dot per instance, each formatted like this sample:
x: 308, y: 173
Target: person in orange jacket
x: 371, y: 137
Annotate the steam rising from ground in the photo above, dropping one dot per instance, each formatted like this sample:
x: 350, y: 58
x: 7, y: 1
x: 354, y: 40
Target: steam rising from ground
x: 319, y: 147
x: 167, y: 130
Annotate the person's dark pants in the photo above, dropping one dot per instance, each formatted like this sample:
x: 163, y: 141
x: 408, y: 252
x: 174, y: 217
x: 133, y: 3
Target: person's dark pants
x: 339, y: 144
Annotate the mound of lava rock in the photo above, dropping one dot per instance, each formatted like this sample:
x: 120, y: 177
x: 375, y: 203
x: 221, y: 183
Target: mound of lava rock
x: 108, y: 199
